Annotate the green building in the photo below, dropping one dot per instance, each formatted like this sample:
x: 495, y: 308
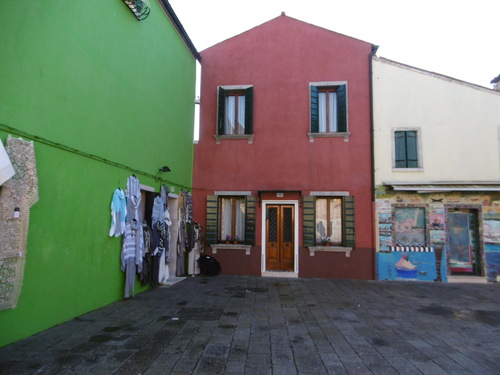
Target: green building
x: 103, y: 94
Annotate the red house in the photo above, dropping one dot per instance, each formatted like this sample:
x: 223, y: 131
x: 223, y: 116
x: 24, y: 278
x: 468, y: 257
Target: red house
x: 283, y: 168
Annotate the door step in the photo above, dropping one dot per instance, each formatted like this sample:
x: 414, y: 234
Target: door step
x: 279, y: 274
x: 467, y: 279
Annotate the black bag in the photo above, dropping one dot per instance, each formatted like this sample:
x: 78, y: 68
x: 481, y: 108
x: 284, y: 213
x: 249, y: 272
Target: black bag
x: 208, y: 265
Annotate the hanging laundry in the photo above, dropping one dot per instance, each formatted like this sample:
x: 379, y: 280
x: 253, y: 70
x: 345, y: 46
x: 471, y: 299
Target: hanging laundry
x: 133, y: 237
x: 196, y: 249
x: 118, y: 213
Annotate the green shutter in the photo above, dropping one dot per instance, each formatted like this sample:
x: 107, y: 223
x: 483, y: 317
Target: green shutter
x: 314, y: 109
x: 309, y: 220
x: 400, y: 146
x: 342, y: 108
x: 411, y: 149
x: 349, y: 234
x: 221, y: 113
x: 211, y: 230
x: 250, y: 215
x: 249, y: 110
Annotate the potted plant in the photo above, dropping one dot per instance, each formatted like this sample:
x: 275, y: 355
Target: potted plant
x: 328, y: 241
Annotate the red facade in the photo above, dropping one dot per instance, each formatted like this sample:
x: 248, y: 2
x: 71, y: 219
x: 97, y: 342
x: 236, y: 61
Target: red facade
x: 281, y: 161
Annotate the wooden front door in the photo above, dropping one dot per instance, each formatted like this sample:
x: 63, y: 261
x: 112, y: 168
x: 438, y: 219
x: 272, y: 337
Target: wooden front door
x: 280, y: 224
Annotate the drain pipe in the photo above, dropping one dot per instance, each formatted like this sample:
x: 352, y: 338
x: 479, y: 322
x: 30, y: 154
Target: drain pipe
x: 372, y: 150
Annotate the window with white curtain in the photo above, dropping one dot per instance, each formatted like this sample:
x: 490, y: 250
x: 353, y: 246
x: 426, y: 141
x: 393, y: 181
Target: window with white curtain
x: 232, y: 218
x: 328, y: 106
x: 328, y: 111
x: 235, y: 111
x: 329, y: 220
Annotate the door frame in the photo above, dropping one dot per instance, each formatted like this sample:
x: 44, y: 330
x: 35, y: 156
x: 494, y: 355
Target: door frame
x: 295, y: 204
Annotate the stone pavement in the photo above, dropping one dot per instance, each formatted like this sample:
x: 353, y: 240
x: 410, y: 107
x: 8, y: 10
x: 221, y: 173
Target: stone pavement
x: 254, y: 325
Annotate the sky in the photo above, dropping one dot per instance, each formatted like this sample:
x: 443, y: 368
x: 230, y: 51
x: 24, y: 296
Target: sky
x: 456, y: 38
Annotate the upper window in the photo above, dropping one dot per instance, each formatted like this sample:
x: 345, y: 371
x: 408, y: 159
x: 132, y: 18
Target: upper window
x: 406, y: 149
x: 235, y: 110
x: 329, y: 108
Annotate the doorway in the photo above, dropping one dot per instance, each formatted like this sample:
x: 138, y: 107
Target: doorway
x: 463, y: 242
x: 280, y: 237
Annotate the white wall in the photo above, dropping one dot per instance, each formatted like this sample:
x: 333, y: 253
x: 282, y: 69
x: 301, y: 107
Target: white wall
x: 459, y: 124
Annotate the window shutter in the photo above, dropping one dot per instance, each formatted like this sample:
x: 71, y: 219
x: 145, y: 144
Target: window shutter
x: 314, y: 109
x: 342, y: 108
x: 411, y: 149
x: 249, y: 110
x: 349, y: 234
x: 212, y: 216
x: 309, y: 220
x: 221, y: 111
x: 400, y: 146
x: 250, y: 213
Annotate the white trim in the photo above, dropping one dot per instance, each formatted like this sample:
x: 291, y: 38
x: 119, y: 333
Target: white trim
x: 328, y: 83
x: 222, y: 246
x: 235, y: 87
x: 295, y: 203
x: 334, y: 249
x: 147, y: 188
x: 329, y: 193
x: 232, y: 193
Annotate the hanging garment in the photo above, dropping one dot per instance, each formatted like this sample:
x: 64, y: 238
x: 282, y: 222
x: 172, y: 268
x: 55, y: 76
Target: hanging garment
x: 118, y: 213
x: 181, y: 248
x: 6, y: 168
x: 134, y: 217
x: 145, y: 276
x: 194, y: 255
x: 17, y: 196
x: 128, y: 257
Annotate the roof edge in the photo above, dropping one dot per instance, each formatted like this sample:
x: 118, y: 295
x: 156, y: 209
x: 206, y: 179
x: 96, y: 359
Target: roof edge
x: 437, y: 75
x: 169, y: 11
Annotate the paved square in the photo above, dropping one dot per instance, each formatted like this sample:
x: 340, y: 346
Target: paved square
x: 254, y: 325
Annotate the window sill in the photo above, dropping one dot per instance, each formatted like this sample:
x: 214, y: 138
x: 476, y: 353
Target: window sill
x: 331, y: 249
x: 344, y: 135
x: 249, y: 137
x: 221, y: 246
x: 407, y: 169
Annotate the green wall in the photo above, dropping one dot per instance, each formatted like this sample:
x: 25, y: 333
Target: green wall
x: 103, y: 96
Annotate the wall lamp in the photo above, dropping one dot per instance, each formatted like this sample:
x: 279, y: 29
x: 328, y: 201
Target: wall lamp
x: 164, y: 169
x: 140, y: 8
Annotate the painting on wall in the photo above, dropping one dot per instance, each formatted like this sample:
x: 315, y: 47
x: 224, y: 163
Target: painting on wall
x: 409, y: 265
x: 409, y: 226
x: 492, y: 261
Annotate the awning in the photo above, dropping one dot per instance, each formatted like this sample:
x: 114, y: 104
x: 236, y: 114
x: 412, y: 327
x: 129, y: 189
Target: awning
x: 437, y: 187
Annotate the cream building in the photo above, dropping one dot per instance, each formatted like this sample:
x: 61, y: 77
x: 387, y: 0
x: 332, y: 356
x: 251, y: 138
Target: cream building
x: 437, y: 174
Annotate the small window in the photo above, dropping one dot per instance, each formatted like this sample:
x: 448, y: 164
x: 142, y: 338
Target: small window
x: 406, y: 149
x: 235, y: 110
x: 328, y: 108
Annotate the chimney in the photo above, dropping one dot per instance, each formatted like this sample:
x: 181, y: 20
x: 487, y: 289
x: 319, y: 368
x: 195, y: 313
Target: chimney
x: 496, y: 83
